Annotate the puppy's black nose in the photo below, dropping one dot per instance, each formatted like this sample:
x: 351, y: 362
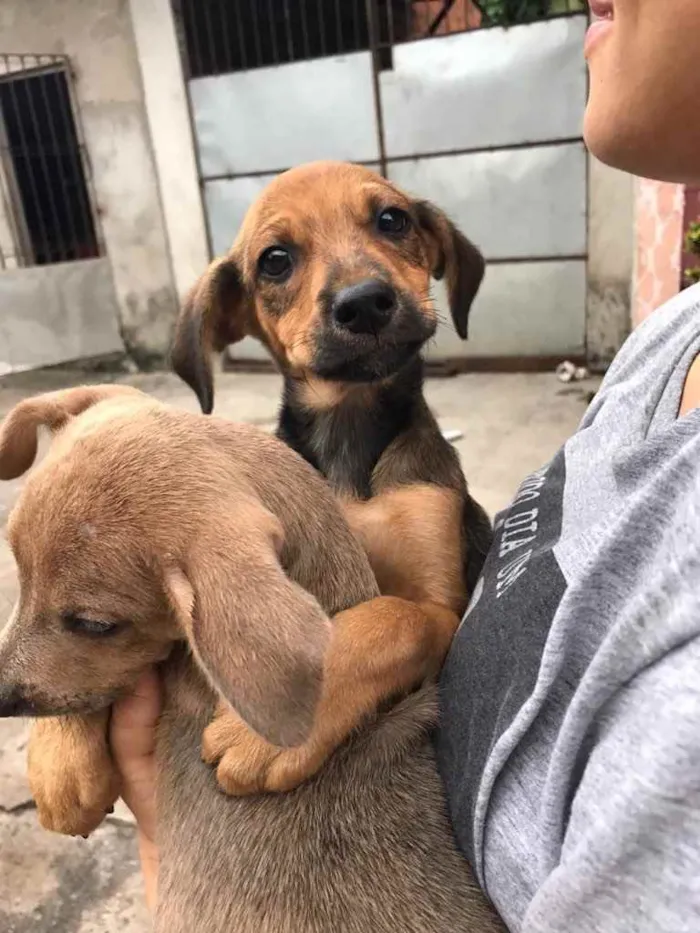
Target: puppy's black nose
x: 13, y: 701
x: 364, y: 308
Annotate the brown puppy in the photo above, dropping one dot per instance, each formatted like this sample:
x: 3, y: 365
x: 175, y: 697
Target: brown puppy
x: 146, y: 530
x: 331, y: 270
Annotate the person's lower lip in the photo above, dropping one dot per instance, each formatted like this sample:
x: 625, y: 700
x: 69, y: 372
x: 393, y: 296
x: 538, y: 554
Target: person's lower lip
x: 597, y: 31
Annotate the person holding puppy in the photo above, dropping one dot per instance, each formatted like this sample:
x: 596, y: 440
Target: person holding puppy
x: 570, y: 739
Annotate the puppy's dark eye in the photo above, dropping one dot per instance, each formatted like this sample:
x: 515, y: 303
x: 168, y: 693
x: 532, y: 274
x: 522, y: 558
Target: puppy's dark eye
x: 78, y: 625
x: 393, y: 221
x: 275, y: 263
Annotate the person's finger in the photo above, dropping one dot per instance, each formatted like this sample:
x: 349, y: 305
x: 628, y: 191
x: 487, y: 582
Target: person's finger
x: 132, y: 737
x: 134, y: 719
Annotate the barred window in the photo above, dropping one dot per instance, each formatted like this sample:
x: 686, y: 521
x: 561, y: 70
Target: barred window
x: 46, y: 205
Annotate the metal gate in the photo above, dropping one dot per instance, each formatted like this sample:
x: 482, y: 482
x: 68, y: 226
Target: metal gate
x: 484, y: 121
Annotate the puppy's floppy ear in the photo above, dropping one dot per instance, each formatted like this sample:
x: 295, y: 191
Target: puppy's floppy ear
x: 19, y: 430
x: 454, y: 258
x: 259, y: 638
x: 215, y: 313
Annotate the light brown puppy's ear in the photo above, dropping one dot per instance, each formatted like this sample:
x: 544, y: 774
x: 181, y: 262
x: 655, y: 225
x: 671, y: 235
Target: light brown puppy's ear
x: 259, y: 638
x: 215, y: 314
x: 454, y: 258
x: 19, y: 430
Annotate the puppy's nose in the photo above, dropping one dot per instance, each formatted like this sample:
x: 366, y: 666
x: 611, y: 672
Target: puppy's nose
x: 13, y: 702
x: 364, y: 308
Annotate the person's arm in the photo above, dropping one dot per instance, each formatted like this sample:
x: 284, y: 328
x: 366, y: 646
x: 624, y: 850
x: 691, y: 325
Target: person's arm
x: 630, y: 861
x: 133, y: 730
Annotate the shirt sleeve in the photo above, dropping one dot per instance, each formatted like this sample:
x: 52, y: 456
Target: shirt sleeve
x: 630, y: 860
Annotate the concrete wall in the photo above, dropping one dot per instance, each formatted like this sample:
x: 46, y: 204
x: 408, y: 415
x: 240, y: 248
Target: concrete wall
x: 99, y: 39
x: 57, y: 313
x: 168, y: 114
x: 610, y: 260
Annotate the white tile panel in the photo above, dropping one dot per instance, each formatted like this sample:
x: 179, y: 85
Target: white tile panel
x: 486, y: 88
x: 513, y: 203
x: 267, y: 118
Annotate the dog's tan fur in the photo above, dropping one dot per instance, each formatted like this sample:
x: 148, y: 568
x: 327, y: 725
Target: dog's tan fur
x: 178, y: 528
x: 225, y: 630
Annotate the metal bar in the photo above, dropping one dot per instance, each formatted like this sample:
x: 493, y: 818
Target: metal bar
x: 304, y: 29
x: 223, y: 17
x: 272, y: 24
x: 241, y: 34
x: 191, y: 33
x: 213, y: 68
x: 371, y: 9
x: 38, y: 69
x: 288, y: 25
x: 321, y: 26
x: 519, y: 260
x: 182, y: 37
x: 253, y: 4
x: 14, y: 208
x: 390, y: 21
x: 508, y: 147
x: 338, y: 26
x: 49, y: 117
x: 441, y: 17
x: 501, y: 147
x: 356, y: 14
x: 8, y: 214
x: 74, y: 131
x: 30, y: 173
x: 41, y: 156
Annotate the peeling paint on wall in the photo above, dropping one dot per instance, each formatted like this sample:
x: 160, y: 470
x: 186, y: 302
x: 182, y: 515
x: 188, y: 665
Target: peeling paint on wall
x: 659, y: 234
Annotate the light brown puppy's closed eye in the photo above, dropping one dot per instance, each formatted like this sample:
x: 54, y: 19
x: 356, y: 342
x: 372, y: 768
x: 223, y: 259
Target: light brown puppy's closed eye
x: 259, y: 637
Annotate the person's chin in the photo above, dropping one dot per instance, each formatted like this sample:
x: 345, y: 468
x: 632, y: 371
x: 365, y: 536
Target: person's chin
x: 618, y: 132
x: 609, y: 131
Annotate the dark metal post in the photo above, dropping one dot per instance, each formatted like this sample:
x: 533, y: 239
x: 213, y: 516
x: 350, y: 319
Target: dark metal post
x: 373, y: 26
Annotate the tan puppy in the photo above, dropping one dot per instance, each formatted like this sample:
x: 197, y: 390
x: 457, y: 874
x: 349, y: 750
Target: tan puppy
x: 148, y: 534
x: 165, y: 507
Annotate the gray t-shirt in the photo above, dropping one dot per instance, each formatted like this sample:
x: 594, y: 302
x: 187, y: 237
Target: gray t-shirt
x: 570, y: 743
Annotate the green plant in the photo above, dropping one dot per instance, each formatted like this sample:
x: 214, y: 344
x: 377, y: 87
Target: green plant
x: 692, y: 245
x: 512, y: 12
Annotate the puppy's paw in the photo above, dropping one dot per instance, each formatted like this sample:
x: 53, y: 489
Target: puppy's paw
x: 248, y: 764
x: 242, y: 757
x: 71, y: 775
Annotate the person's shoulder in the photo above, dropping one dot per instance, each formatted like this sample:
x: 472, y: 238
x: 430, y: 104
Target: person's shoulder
x: 683, y: 307
x: 654, y: 356
x: 672, y: 323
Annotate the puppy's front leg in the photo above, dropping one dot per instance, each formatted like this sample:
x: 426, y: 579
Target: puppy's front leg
x: 71, y: 773
x: 379, y: 649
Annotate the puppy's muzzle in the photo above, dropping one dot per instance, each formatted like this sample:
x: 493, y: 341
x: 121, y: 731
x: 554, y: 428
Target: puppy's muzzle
x: 14, y: 702
x: 365, y: 307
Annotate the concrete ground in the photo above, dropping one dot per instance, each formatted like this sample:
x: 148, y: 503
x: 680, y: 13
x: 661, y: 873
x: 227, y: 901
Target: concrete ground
x: 510, y: 425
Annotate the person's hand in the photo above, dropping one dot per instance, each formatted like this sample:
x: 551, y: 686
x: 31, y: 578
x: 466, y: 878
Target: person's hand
x: 132, y: 737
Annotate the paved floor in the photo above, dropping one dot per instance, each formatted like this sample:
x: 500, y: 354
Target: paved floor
x: 510, y: 425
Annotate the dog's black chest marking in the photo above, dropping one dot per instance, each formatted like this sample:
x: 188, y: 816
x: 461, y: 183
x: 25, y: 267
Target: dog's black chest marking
x: 344, y: 443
